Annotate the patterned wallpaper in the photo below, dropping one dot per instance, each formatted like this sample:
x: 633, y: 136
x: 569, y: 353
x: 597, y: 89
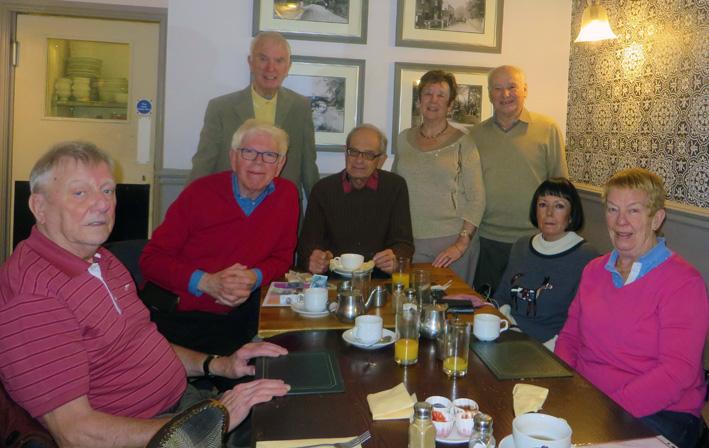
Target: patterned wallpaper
x: 643, y: 99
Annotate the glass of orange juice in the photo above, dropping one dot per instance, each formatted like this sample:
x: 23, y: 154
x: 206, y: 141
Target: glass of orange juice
x: 455, y: 348
x: 401, y: 273
x: 406, y: 348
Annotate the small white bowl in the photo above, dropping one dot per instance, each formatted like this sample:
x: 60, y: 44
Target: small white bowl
x: 465, y: 409
x: 443, y: 407
x: 439, y: 402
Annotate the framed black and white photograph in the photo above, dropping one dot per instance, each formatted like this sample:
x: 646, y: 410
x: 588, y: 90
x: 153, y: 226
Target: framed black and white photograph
x: 326, y: 20
x: 470, y: 107
x: 469, y: 25
x: 336, y: 91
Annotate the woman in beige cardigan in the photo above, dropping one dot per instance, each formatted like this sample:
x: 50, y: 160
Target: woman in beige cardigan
x: 441, y: 166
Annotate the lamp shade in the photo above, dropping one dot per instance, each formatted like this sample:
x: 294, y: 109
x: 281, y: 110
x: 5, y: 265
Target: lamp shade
x: 594, y: 25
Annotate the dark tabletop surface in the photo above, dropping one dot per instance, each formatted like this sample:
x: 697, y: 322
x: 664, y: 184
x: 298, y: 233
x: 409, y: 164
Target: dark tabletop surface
x: 593, y: 417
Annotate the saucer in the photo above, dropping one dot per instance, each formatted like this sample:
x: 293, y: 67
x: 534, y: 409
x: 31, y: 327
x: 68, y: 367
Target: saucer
x: 350, y: 338
x: 299, y: 308
x: 337, y: 268
x: 507, y: 442
x: 454, y: 437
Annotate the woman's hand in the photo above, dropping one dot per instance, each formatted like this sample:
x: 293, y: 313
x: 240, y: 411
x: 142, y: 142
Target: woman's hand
x: 448, y: 256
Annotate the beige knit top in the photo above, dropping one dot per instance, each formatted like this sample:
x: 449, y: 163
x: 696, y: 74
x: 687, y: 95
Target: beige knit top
x: 445, y: 185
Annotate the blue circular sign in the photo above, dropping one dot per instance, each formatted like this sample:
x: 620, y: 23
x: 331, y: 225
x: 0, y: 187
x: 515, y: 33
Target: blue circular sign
x: 143, y: 107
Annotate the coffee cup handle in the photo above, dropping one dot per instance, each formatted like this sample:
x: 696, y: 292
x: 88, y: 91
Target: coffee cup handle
x: 504, y: 325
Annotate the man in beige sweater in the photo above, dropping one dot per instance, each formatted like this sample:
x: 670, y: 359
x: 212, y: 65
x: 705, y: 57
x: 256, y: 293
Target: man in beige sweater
x: 518, y: 150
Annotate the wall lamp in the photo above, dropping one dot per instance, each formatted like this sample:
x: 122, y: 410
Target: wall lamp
x: 594, y: 24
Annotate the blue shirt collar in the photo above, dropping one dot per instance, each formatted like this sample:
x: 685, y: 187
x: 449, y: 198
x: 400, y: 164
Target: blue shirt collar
x: 646, y: 263
x: 249, y: 205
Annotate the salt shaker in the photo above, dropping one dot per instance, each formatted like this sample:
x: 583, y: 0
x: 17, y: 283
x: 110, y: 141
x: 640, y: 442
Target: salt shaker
x: 482, y: 432
x: 422, y: 433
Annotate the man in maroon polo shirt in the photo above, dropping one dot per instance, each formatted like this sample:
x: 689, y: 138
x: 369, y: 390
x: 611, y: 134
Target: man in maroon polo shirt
x: 77, y: 348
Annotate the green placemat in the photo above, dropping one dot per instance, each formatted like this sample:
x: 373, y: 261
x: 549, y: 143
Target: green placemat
x: 516, y: 356
x: 306, y: 372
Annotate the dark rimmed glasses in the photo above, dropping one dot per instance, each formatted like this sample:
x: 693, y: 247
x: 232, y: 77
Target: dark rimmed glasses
x: 356, y: 153
x: 267, y: 156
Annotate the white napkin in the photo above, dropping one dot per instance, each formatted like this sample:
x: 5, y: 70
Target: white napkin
x: 528, y: 398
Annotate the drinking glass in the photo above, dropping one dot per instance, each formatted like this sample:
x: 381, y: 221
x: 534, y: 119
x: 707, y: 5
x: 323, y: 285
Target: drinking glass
x: 422, y: 285
x: 455, y: 350
x: 361, y: 281
x: 401, y: 273
x: 406, y: 348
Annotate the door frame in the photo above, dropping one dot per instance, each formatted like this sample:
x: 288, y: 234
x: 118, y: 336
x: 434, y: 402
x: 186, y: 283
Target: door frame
x: 9, y: 9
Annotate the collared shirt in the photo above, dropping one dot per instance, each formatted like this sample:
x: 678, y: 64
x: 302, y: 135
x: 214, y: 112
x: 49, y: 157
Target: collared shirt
x: 248, y: 206
x: 62, y: 337
x: 372, y: 182
x: 646, y: 263
x: 523, y: 117
x: 264, y: 108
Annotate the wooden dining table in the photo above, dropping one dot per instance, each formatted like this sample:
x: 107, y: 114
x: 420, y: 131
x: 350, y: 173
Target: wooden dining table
x: 593, y: 416
x: 276, y: 320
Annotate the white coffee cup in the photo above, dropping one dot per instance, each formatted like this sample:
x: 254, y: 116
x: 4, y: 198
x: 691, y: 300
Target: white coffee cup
x: 368, y: 329
x: 350, y: 261
x: 315, y: 299
x: 487, y: 327
x: 540, y: 430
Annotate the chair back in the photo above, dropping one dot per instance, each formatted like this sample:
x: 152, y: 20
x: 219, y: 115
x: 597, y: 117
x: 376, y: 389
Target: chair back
x: 18, y: 429
x: 200, y: 426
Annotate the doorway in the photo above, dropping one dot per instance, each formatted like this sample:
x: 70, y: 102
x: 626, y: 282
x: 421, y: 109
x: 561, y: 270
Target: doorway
x: 81, y: 78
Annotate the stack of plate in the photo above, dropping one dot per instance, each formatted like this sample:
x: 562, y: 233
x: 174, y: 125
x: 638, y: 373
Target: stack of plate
x: 112, y: 89
x: 83, y: 67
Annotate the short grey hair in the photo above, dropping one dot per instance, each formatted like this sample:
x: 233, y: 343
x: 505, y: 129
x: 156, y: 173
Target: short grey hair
x: 79, y: 151
x: 269, y: 35
x: 382, y: 137
x: 253, y: 126
x: 505, y: 68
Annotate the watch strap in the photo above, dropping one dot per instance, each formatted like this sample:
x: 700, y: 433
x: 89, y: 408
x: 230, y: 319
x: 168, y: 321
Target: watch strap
x: 205, y: 365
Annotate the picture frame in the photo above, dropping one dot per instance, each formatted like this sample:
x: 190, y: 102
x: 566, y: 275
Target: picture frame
x: 323, y: 20
x: 472, y: 104
x: 450, y: 25
x: 335, y: 87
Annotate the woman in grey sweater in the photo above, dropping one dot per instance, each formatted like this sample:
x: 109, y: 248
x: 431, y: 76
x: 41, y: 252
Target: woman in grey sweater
x: 441, y: 166
x: 544, y: 270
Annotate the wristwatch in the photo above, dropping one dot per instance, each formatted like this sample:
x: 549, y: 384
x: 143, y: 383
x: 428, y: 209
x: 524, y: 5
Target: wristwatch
x: 205, y: 365
x: 465, y: 233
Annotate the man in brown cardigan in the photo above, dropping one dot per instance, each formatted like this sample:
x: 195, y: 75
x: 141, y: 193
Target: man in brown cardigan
x: 361, y: 209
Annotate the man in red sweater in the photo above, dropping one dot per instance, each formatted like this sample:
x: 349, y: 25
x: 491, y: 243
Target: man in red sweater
x: 224, y: 236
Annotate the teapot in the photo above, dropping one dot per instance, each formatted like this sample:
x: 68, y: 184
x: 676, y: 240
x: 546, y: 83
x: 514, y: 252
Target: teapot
x: 433, y: 319
x: 349, y: 305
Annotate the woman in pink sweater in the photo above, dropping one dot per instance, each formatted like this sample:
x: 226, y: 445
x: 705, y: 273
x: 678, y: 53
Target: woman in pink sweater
x: 638, y: 323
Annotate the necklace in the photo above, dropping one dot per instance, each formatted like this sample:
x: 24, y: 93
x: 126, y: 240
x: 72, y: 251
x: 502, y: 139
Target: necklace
x: 434, y: 136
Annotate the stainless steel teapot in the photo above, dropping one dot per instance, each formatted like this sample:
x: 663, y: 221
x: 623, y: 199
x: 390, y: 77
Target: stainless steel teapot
x: 433, y: 319
x: 348, y: 306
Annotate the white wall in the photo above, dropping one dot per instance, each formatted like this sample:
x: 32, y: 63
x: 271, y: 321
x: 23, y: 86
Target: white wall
x: 208, y: 45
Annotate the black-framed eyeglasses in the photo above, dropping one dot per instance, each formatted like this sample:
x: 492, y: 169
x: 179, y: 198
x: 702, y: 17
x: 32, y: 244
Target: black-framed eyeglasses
x: 267, y: 156
x: 355, y: 153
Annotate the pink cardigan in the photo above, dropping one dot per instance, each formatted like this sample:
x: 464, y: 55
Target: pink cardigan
x: 641, y: 344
